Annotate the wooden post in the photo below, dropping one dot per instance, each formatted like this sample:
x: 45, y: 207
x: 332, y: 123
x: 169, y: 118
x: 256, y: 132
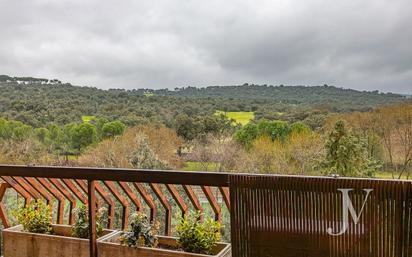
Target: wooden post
x: 92, y: 217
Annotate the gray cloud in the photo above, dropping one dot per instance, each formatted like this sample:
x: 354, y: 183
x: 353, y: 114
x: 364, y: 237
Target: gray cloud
x: 167, y: 43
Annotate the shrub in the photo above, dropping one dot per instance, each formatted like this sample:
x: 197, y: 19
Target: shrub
x: 198, y: 237
x: 36, y: 217
x: 80, y: 227
x: 142, y: 232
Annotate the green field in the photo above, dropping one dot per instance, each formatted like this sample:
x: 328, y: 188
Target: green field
x: 240, y: 117
x: 148, y: 94
x: 87, y: 119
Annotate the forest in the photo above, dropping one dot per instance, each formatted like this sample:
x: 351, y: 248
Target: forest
x: 249, y: 128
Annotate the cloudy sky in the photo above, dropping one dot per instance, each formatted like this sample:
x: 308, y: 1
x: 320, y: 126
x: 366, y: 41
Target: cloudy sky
x: 361, y: 44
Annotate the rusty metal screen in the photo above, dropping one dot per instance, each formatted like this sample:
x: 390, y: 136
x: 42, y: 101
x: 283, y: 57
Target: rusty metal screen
x: 290, y: 217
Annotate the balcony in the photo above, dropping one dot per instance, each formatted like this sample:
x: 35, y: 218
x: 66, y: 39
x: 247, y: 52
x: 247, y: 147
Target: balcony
x: 265, y: 215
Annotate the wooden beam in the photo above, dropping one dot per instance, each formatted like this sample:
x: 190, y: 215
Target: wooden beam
x: 92, y: 217
x: 3, y: 216
x: 127, y: 175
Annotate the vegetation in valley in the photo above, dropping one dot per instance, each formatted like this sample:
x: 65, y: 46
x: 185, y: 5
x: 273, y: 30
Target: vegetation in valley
x: 39, y: 104
x: 248, y: 128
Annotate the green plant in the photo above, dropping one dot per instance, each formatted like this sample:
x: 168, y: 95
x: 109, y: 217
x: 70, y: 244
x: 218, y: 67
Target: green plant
x: 35, y: 217
x: 80, y: 227
x: 141, y: 233
x: 196, y: 236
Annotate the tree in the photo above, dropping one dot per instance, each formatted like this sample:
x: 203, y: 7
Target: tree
x: 20, y: 131
x: 276, y: 130
x: 186, y: 127
x: 306, y: 149
x: 247, y: 134
x: 5, y: 130
x: 394, y: 126
x: 217, y: 124
x: 42, y: 134
x: 142, y: 157
x: 99, y: 123
x: 299, y: 128
x: 347, y: 154
x: 133, y: 149
x: 112, y: 129
x: 83, y: 135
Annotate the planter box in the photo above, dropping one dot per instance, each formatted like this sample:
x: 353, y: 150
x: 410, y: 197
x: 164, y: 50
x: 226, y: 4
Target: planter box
x: 109, y: 246
x: 18, y: 243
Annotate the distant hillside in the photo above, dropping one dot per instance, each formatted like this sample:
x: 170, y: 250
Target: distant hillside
x: 39, y: 102
x: 292, y: 94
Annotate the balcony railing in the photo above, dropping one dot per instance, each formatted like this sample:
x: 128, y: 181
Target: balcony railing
x: 268, y: 215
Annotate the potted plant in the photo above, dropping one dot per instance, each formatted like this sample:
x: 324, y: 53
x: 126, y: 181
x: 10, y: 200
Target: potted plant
x: 36, y: 236
x: 196, y: 239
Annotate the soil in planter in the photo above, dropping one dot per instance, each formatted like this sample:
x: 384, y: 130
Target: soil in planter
x: 169, y: 247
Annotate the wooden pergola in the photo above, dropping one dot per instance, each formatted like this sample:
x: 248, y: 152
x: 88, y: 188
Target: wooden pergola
x: 270, y: 215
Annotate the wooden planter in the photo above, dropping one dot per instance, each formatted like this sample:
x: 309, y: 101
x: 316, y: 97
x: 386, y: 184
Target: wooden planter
x: 18, y: 243
x: 109, y: 246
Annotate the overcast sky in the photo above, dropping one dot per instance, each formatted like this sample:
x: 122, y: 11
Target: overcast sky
x: 361, y: 44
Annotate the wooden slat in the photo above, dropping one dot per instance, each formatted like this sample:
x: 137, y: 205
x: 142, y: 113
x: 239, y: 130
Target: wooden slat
x: 193, y: 197
x: 20, y: 190
x: 123, y: 201
x: 72, y: 187
x: 35, y: 185
x: 67, y: 194
x: 132, y: 196
x: 32, y: 191
x: 178, y: 198
x: 60, y: 198
x: 225, y: 194
x: 166, y: 205
x: 148, y: 200
x: 105, y: 195
x: 213, y: 202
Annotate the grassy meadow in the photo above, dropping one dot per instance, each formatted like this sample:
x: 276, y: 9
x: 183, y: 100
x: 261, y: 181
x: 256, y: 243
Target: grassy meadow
x: 240, y: 117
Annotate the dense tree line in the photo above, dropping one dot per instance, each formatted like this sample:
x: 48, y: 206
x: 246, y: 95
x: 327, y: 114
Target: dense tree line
x: 337, y: 99
x: 39, y: 105
x: 70, y: 139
